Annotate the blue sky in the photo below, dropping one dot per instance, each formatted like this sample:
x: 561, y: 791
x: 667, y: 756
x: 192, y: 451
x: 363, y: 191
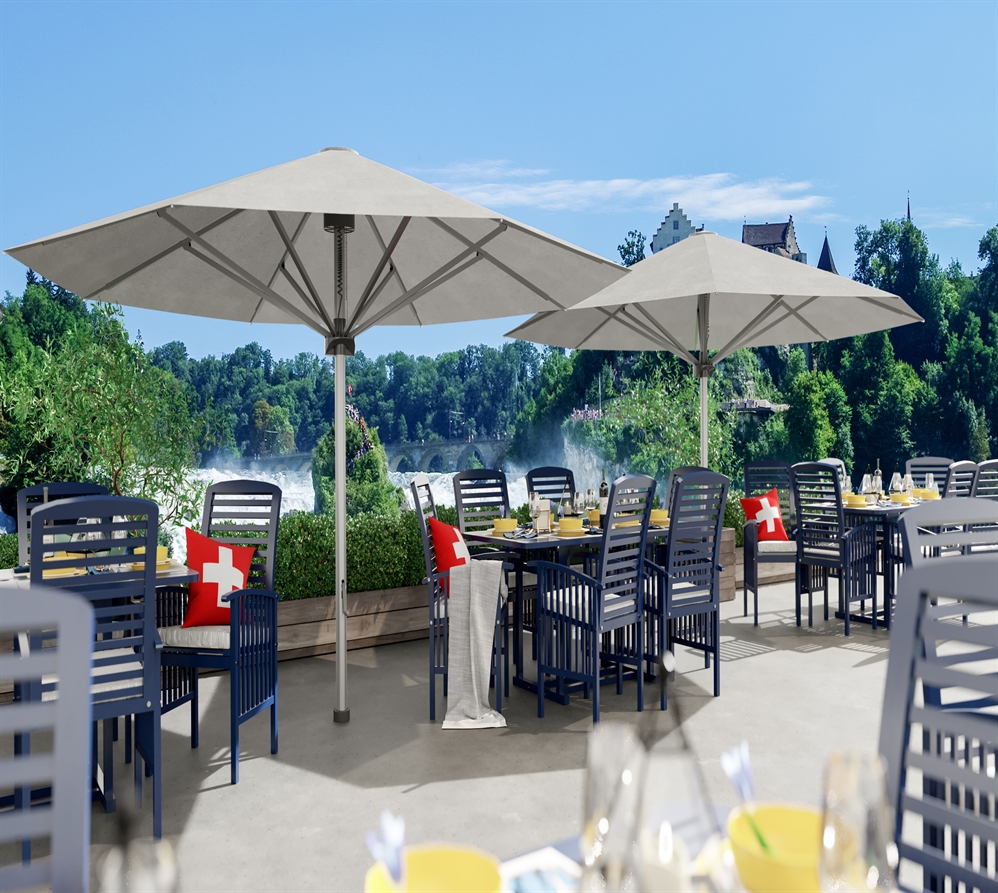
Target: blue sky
x: 584, y: 119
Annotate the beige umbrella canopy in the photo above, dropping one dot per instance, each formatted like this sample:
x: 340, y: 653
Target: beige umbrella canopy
x: 274, y: 247
x: 708, y: 293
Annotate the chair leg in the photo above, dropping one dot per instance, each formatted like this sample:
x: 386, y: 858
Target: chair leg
x: 194, y: 708
x: 716, y: 633
x: 596, y: 677
x: 797, y: 586
x: 640, y: 673
x: 755, y: 608
x: 109, y: 801
x: 128, y: 738
x: 273, y: 723
x: 234, y: 723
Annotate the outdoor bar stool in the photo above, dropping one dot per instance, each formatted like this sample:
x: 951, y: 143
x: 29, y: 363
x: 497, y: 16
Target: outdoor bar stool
x: 986, y: 484
x: 918, y: 467
x: 124, y: 680
x: 761, y: 478
x: 590, y: 628
x: 939, y: 723
x: 960, y: 480
x: 683, y: 595
x: 824, y: 546
x: 241, y: 513
x: 29, y: 498
x: 437, y: 599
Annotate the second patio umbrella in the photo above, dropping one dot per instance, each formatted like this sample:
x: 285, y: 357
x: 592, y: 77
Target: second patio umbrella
x: 274, y: 246
x: 708, y: 293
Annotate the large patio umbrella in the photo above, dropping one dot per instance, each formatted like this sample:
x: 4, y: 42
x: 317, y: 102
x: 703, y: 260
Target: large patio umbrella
x: 708, y: 293
x: 273, y: 247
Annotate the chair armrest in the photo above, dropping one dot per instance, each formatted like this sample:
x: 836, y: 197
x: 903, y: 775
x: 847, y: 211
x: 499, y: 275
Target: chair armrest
x: 566, y: 571
x: 237, y: 594
x: 750, y: 533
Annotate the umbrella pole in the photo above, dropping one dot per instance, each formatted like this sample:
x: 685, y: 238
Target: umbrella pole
x: 342, y: 712
x: 703, y: 421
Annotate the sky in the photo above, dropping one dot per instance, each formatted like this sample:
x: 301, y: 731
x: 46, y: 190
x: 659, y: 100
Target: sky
x: 586, y: 120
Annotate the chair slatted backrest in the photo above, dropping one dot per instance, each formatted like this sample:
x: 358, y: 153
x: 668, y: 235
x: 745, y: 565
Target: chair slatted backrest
x: 426, y: 508
x: 763, y: 476
x: 625, y: 533
x: 693, y: 549
x: 818, y: 504
x: 30, y: 498
x: 121, y: 586
x: 948, y: 527
x: 986, y: 484
x: 551, y: 482
x: 480, y: 496
x: 246, y: 513
x: 960, y: 480
x: 66, y: 621
x: 921, y: 465
x: 678, y: 473
x: 939, y: 727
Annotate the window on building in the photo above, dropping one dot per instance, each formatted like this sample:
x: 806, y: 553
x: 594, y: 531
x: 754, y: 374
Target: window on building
x: 675, y: 224
x: 675, y: 239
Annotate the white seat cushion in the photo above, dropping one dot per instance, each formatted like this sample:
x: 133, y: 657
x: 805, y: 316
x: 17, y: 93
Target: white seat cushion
x: 777, y: 546
x: 216, y: 637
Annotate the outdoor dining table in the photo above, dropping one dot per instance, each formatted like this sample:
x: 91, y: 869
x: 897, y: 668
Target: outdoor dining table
x: 527, y: 550
x: 176, y: 574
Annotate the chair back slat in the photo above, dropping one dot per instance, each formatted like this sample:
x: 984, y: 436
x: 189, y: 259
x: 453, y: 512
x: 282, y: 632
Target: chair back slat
x: 625, y: 533
x: 960, y: 480
x: 246, y: 513
x: 480, y: 496
x: 693, y: 548
x: 426, y: 508
x: 986, y: 483
x: 763, y: 476
x: 677, y: 473
x: 921, y: 465
x: 551, y: 482
x: 65, y: 622
x: 30, y: 498
x: 939, y: 723
x: 818, y: 506
x: 948, y: 527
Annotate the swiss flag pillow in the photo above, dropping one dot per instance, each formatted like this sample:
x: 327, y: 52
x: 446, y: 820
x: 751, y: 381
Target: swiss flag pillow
x: 448, y: 546
x: 766, y: 510
x: 222, y: 568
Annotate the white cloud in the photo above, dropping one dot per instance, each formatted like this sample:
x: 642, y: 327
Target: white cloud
x: 945, y: 220
x: 710, y: 196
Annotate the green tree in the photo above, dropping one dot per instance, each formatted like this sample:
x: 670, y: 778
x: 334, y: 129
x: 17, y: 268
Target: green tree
x: 633, y: 248
x: 811, y: 436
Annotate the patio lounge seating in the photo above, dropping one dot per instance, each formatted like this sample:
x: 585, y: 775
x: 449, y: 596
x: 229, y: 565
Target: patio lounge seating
x: 825, y: 546
x: 939, y: 728
x: 29, y: 498
x: 683, y: 597
x: 586, y: 622
x: 242, y: 513
x: 126, y: 649
x: 66, y: 621
x: 437, y: 599
x: 760, y: 478
x: 922, y: 465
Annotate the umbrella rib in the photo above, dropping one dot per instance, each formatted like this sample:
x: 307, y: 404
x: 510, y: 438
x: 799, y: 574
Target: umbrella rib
x: 796, y: 312
x: 639, y: 329
x: 290, y: 248
x: 148, y: 263
x: 264, y: 292
x: 306, y: 300
x: 609, y: 318
x: 277, y: 270
x: 775, y: 322
x: 414, y: 293
x: 393, y: 268
x: 881, y: 304
x: 366, y: 298
x: 544, y: 237
x: 683, y: 352
x: 432, y: 280
x: 526, y: 283
x: 759, y: 317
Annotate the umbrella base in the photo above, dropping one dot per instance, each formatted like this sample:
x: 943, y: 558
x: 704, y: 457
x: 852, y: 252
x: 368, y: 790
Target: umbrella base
x: 341, y: 715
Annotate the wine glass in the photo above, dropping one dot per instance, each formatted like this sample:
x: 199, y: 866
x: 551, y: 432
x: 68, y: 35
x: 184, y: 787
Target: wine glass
x: 858, y: 850
x: 534, y: 501
x: 579, y: 504
x: 897, y: 484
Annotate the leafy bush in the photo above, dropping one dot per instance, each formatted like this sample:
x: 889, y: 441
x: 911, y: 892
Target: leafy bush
x: 734, y: 516
x: 8, y: 550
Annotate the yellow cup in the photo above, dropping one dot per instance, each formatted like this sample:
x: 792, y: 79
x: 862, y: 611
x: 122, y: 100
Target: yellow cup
x: 440, y: 868
x: 794, y: 837
x: 594, y: 516
x: 504, y: 525
x: 570, y: 524
x: 659, y: 516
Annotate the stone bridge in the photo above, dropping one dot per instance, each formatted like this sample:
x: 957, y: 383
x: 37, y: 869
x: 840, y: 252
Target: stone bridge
x: 445, y: 455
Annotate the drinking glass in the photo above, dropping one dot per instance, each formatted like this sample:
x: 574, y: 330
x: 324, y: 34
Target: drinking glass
x: 591, y: 499
x: 908, y: 485
x: 930, y: 482
x: 858, y: 850
x: 579, y: 505
x: 535, y: 505
x: 897, y: 484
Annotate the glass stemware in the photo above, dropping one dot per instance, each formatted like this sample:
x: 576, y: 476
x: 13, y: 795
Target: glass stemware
x: 858, y: 850
x: 534, y: 501
x: 590, y: 499
x: 579, y: 504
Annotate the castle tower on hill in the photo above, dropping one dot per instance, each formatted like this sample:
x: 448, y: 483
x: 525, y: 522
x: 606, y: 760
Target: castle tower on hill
x: 676, y: 227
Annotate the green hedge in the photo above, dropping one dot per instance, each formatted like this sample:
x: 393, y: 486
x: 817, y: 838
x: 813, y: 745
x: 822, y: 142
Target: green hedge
x: 8, y: 550
x: 734, y: 516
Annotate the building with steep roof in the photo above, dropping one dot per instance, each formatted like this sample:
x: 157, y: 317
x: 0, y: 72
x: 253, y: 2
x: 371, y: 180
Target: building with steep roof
x: 676, y: 227
x: 826, y: 262
x: 777, y: 238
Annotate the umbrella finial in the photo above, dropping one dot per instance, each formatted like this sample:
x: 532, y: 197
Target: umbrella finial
x: 339, y: 149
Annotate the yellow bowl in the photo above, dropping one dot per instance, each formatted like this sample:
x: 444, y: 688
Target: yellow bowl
x: 899, y: 498
x: 161, y: 553
x: 504, y: 525
x: 659, y: 516
x: 794, y: 837
x: 570, y: 524
x: 931, y: 494
x: 441, y: 868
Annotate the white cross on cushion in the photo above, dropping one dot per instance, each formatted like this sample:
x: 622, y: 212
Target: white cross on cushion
x: 228, y: 578
x: 767, y: 514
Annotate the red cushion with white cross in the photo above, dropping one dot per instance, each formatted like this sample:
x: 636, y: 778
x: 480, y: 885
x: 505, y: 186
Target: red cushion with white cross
x: 448, y: 545
x: 222, y: 568
x: 766, y: 510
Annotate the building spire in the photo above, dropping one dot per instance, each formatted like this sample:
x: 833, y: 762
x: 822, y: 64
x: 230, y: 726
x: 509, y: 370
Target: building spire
x: 909, y: 207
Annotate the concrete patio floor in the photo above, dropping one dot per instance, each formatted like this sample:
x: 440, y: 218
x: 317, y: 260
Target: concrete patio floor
x: 297, y: 820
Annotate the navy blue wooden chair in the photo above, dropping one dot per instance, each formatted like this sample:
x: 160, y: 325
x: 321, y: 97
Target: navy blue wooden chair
x: 938, y: 466
x: 126, y: 650
x: 960, y: 480
x: 437, y: 599
x: 551, y: 482
x: 29, y: 498
x: 65, y: 622
x: 585, y: 623
x: 940, y: 724
x: 986, y: 484
x: 761, y: 478
x: 677, y: 473
x: 683, y: 595
x: 480, y: 496
x: 242, y: 513
x: 948, y: 528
